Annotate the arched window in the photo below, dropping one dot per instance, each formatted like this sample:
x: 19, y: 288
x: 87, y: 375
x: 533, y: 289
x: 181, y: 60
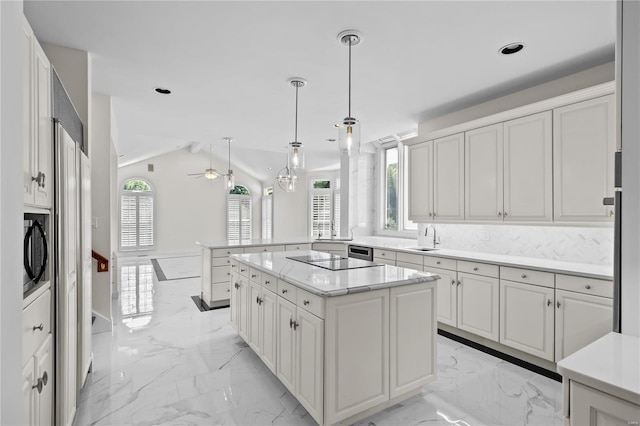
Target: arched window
x: 239, y: 214
x: 137, y: 214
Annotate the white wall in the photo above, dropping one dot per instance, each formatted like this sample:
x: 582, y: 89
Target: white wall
x: 291, y: 210
x: 101, y: 148
x: 190, y: 209
x: 10, y: 212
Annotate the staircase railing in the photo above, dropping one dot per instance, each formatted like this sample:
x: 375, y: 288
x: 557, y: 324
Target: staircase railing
x: 103, y: 262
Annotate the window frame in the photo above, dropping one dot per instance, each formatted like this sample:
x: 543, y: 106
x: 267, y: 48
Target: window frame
x: 137, y: 194
x: 267, y: 213
x: 403, y: 230
x: 333, y: 193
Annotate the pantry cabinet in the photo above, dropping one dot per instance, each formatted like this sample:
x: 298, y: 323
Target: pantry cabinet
x: 37, y: 159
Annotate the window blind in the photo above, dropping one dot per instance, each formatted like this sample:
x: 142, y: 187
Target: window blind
x: 321, y: 215
x: 239, y: 217
x: 137, y: 221
x: 267, y: 217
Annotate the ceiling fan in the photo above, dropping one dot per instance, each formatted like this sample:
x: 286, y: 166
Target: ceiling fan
x: 209, y: 173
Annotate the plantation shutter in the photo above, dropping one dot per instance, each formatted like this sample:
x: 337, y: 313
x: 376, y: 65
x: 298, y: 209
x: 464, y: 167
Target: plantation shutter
x: 321, y: 215
x: 128, y: 221
x: 136, y: 221
x: 233, y: 219
x: 145, y: 221
x: 336, y: 212
x: 267, y: 217
x: 239, y: 217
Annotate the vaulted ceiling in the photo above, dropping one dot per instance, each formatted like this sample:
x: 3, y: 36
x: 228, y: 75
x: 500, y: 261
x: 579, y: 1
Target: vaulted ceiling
x: 227, y: 65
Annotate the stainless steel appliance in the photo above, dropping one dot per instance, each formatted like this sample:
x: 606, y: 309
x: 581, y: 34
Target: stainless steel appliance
x: 333, y: 262
x: 35, y: 250
x: 616, y: 202
x: 360, y: 252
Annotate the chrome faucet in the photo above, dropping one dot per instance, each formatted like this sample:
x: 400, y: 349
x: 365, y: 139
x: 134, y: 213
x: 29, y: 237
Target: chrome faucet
x: 436, y: 240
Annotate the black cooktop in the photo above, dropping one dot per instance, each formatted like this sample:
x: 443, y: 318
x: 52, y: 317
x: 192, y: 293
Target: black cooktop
x: 333, y: 262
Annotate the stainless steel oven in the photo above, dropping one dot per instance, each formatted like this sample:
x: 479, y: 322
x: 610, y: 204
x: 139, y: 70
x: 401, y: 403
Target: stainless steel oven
x: 35, y: 250
x: 360, y: 252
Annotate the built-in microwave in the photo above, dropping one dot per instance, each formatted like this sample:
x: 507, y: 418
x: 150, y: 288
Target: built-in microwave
x: 35, y: 250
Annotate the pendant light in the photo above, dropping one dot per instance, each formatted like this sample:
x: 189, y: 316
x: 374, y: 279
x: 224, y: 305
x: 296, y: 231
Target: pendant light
x: 349, y: 128
x: 229, y: 178
x: 287, y: 178
x: 295, y: 148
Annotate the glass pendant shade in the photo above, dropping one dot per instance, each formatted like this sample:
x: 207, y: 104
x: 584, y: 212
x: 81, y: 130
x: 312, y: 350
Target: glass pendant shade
x: 349, y: 136
x: 287, y: 179
x: 230, y: 180
x: 296, y: 155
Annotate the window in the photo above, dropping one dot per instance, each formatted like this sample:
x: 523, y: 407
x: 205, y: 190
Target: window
x: 267, y: 213
x: 137, y: 228
x: 325, y: 209
x: 239, y: 214
x: 394, y: 202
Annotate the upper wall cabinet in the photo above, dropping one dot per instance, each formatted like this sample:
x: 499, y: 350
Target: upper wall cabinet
x: 436, y: 180
x: 528, y: 169
x: 483, y: 173
x: 583, y: 165
x: 37, y: 125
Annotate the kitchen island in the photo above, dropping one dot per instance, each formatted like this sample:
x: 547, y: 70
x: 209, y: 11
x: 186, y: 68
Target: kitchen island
x: 346, y: 343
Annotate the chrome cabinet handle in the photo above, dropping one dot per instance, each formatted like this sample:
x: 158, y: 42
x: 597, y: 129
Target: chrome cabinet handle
x: 453, y: 281
x: 459, y: 282
x: 558, y: 304
x: 284, y: 290
x: 548, y: 302
x: 290, y: 322
x: 295, y: 325
x: 253, y: 275
x: 267, y: 282
x: 305, y: 303
x: 523, y: 276
x: 38, y: 327
x: 505, y: 214
x: 242, y: 270
x: 41, y: 382
x: 233, y: 266
x: 236, y: 285
x: 257, y: 300
x: 588, y: 287
x: 39, y: 179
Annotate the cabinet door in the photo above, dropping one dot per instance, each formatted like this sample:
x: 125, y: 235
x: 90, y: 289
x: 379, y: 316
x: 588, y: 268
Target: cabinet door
x: 28, y: 129
x: 446, y: 295
x: 528, y: 169
x: 286, y: 344
x: 309, y: 363
x: 478, y: 301
x: 448, y: 178
x: 44, y: 371
x: 205, y: 276
x: 253, y: 331
x: 420, y: 182
x: 589, y: 406
x: 268, y: 330
x: 580, y: 320
x: 412, y: 352
x: 583, y: 149
x: 243, y: 307
x: 43, y: 143
x: 28, y: 393
x: 235, y: 300
x: 526, y: 318
x: 483, y: 174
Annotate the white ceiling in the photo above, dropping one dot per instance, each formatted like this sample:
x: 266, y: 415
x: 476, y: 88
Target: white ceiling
x: 227, y: 63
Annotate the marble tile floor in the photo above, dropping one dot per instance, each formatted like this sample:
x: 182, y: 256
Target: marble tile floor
x: 168, y: 363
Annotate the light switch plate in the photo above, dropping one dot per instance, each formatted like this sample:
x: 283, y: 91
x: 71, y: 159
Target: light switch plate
x: 94, y: 223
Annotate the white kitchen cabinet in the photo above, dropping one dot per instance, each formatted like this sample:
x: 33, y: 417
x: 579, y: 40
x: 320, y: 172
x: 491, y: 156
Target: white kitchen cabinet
x: 331, y: 248
x: 580, y: 320
x: 240, y: 307
x: 85, y: 273
x: 592, y: 407
x: 584, y: 142
x: 255, y: 320
x: 527, y: 318
x: 420, y: 158
x: 37, y: 123
x: 268, y: 328
x: 388, y: 257
x: 448, y: 178
x: 286, y: 345
x: 37, y: 386
x: 484, y: 173
x: 28, y: 397
x: 447, y: 295
x: 309, y: 361
x: 478, y: 305
x: 411, y: 312
x: 528, y: 165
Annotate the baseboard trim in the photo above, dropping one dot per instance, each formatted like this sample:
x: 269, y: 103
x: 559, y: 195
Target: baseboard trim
x: 101, y: 324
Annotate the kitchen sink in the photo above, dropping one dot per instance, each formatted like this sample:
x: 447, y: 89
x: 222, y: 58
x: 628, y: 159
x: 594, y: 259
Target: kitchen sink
x: 422, y: 248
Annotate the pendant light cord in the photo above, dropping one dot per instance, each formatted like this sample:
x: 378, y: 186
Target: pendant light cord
x: 350, y: 76
x: 229, y: 141
x: 295, y: 139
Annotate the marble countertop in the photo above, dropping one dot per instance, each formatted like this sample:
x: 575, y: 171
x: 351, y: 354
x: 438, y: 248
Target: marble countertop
x: 604, y: 272
x: 218, y: 244
x: 609, y: 364
x: 327, y: 283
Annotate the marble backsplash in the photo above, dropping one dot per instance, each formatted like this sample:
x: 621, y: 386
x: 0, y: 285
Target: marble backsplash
x: 571, y: 244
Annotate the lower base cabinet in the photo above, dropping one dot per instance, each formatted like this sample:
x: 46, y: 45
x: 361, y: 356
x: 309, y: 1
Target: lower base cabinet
x: 478, y: 301
x: 447, y: 296
x: 37, y: 386
x: 589, y: 406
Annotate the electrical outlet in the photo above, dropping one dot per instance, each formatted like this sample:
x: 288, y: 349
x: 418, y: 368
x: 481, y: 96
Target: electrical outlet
x: 483, y: 235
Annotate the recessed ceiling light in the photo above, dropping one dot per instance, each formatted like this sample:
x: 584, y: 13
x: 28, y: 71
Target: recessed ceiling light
x: 121, y: 155
x: 162, y: 90
x: 331, y: 140
x: 269, y: 168
x: 511, y: 48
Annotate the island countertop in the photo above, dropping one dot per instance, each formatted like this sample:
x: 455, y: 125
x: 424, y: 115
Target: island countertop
x: 217, y: 244
x: 328, y: 283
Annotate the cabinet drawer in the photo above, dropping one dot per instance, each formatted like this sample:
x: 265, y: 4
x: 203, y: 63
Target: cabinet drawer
x: 220, y: 261
x: 243, y: 269
x: 479, y: 268
x: 225, y: 252
x: 263, y: 249
x: 440, y: 262
x: 220, y: 274
x: 527, y: 276
x: 329, y: 246
x: 291, y: 247
x: 286, y: 290
x: 384, y: 254
x: 409, y: 265
x: 310, y: 302
x: 270, y: 282
x: 255, y: 275
x: 391, y: 262
x: 235, y: 266
x: 585, y: 285
x: 416, y: 259
x: 34, y: 316
x: 220, y: 291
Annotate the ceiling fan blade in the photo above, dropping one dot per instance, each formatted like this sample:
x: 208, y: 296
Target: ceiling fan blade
x: 195, y: 174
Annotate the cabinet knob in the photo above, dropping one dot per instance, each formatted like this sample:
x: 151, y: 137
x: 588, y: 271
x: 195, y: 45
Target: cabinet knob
x: 459, y: 282
x: 242, y: 270
x: 284, y: 290
x: 257, y: 300
x: 228, y: 273
x: 430, y: 214
x: 236, y: 285
x: 505, y: 214
x: 290, y: 322
x: 453, y: 281
x: 38, y: 327
x: 39, y: 179
x: 233, y: 266
x: 548, y: 302
x: 38, y: 386
x: 558, y: 304
x: 588, y: 287
x: 437, y: 262
x: 264, y: 250
x: 305, y: 302
x: 475, y: 268
x: 523, y: 276
x: 267, y: 282
x: 611, y: 213
x: 253, y: 275
x: 499, y: 213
